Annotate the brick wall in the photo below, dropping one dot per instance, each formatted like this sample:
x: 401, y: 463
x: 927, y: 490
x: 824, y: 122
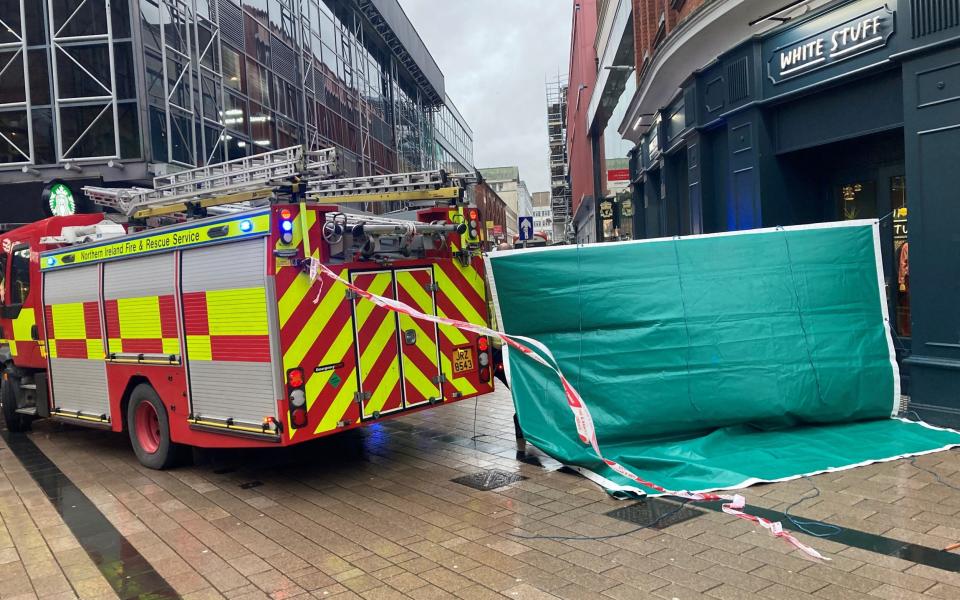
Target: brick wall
x: 490, y: 204
x: 582, y: 77
x: 646, y: 23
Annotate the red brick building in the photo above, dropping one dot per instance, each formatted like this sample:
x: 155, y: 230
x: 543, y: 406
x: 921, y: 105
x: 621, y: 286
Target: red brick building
x: 582, y: 77
x: 491, y: 207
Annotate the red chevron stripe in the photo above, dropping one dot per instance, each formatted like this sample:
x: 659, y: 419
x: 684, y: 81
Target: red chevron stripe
x: 371, y: 380
x: 461, y: 283
x: 325, y: 339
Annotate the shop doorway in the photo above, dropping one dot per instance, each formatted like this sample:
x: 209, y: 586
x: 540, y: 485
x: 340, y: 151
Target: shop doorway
x: 861, y: 178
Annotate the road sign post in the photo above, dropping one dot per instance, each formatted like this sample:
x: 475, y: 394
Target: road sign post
x: 525, y: 227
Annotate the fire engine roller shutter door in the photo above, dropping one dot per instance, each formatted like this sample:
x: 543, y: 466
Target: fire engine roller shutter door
x: 376, y: 336
x: 418, y: 339
x: 139, y: 308
x: 228, y: 332
x: 74, y: 335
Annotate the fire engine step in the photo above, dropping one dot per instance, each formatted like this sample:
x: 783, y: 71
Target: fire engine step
x: 489, y: 480
x: 125, y: 569
x: 29, y: 410
x: 655, y: 513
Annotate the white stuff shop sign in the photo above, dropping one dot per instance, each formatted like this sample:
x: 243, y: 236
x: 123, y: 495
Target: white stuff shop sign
x: 864, y: 33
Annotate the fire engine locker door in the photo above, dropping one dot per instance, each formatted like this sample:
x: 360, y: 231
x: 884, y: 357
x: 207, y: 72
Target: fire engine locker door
x: 229, y: 331
x: 74, y: 333
x: 375, y: 329
x: 418, y: 339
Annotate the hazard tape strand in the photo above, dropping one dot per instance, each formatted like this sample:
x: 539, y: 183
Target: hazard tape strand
x: 732, y: 504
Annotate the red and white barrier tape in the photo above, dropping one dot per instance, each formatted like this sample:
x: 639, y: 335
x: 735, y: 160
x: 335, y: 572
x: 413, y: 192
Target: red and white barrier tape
x: 733, y: 504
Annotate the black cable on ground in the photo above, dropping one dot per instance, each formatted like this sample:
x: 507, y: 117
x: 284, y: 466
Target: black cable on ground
x: 805, y: 525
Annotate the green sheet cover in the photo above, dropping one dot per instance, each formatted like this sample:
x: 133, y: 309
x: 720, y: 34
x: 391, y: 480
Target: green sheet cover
x: 711, y: 362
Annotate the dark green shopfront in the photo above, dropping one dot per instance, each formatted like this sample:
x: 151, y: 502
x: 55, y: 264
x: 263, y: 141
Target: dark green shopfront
x: 850, y: 112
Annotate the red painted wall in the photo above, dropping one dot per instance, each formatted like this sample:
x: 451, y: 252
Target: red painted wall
x: 582, y: 78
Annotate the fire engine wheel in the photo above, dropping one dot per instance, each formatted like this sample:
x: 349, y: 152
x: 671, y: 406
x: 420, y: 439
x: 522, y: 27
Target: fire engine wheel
x: 149, y: 430
x: 8, y: 398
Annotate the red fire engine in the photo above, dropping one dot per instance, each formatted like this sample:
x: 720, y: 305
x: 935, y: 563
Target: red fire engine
x: 211, y: 331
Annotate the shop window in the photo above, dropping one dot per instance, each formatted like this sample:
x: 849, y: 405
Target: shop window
x: 901, y: 303
x: 858, y: 200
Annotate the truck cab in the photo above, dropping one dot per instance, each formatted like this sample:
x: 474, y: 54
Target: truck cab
x: 22, y: 347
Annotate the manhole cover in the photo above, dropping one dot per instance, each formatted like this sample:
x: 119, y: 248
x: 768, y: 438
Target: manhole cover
x: 489, y: 480
x: 655, y: 513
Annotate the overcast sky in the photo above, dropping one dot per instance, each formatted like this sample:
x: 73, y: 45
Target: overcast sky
x: 496, y: 56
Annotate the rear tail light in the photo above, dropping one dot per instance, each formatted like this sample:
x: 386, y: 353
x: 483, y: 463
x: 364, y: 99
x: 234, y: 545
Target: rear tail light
x: 286, y: 226
x: 483, y: 357
x: 298, y: 418
x: 296, y: 398
x: 474, y: 223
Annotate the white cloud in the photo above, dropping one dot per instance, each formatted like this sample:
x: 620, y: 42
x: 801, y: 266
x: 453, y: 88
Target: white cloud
x: 496, y: 56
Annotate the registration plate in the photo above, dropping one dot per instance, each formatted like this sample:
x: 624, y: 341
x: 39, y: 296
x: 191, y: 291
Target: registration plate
x: 462, y: 360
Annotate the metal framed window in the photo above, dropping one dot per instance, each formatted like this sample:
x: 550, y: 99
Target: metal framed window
x: 15, y: 114
x: 84, y: 80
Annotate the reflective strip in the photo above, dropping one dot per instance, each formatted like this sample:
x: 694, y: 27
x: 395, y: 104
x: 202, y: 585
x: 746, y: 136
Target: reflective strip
x: 94, y: 349
x: 139, y: 318
x: 198, y: 347
x: 171, y: 346
x: 237, y: 312
x: 339, y: 406
x: 68, y: 321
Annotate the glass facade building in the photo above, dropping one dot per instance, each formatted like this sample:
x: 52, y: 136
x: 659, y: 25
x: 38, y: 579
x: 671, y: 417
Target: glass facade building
x: 119, y: 90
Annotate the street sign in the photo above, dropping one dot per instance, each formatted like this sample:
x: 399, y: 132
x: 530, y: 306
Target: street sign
x: 525, y: 227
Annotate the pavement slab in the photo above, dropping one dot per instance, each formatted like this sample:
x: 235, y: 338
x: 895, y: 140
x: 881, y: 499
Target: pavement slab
x: 374, y: 513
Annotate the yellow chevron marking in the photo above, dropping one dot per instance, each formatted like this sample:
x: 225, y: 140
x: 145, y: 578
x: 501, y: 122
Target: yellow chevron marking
x: 384, y: 388
x: 139, y: 317
x: 68, y: 321
x: 338, y: 407
x: 23, y: 330
x: 113, y: 344
x: 451, y: 291
x: 342, y: 344
x: 241, y: 311
x: 423, y: 384
x: 292, y: 297
x: 314, y: 327
x: 51, y: 344
x: 453, y: 334
x: 385, y: 333
x: 198, y: 347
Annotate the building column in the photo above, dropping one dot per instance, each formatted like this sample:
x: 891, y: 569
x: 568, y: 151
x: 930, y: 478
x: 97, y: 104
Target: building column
x: 931, y: 98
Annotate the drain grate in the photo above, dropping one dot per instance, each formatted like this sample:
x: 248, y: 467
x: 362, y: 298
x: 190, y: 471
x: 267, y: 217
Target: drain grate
x: 655, y: 513
x: 489, y: 480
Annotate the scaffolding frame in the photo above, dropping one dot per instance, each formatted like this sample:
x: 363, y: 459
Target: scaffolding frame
x: 559, y: 161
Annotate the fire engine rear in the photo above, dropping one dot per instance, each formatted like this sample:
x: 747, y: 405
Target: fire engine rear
x: 216, y: 332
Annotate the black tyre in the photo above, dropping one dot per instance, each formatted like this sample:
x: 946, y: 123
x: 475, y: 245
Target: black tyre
x: 149, y: 430
x: 8, y: 398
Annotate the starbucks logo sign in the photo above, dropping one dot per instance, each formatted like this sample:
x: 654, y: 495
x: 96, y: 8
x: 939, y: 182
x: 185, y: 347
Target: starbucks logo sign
x: 59, y: 199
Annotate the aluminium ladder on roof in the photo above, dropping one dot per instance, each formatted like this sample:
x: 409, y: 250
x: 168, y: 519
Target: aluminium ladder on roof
x: 239, y: 181
x: 232, y: 177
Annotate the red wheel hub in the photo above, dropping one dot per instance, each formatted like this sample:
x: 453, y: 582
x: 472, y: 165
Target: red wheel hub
x: 147, y: 424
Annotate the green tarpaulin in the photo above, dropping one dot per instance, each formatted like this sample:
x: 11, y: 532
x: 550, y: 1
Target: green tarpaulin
x: 711, y: 362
